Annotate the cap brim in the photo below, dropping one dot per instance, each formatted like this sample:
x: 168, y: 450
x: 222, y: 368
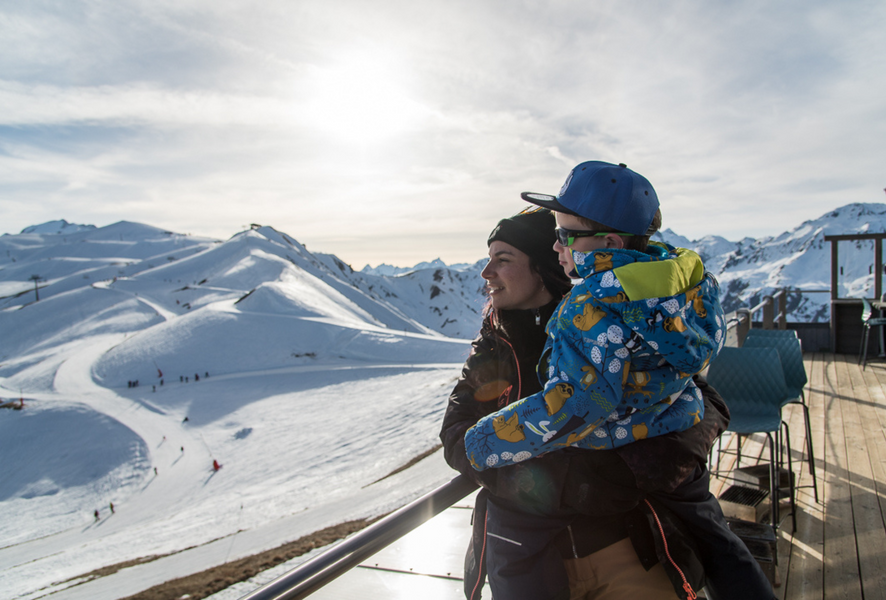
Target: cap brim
x: 547, y: 201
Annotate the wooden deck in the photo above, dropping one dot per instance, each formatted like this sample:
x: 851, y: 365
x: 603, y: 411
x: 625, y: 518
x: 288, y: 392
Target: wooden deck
x: 837, y: 551
x: 839, y: 548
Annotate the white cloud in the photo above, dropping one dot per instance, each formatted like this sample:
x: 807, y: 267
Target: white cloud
x: 136, y: 105
x: 360, y: 125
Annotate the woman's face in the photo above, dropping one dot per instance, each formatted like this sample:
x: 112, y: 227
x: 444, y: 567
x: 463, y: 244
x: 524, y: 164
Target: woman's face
x: 510, y: 281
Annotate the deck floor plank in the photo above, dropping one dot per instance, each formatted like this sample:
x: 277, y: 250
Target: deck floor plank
x: 841, y: 575
x: 805, y: 566
x: 868, y: 484
x: 878, y: 396
x: 792, y: 415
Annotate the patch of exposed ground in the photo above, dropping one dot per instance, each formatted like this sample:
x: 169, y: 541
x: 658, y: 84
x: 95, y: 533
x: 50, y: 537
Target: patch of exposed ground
x: 421, y: 456
x: 111, y: 569
x: 205, y: 583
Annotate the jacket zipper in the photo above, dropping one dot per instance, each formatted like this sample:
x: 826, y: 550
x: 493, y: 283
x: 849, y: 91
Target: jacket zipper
x: 516, y: 364
x: 478, y: 585
x: 572, y: 539
x: 690, y: 594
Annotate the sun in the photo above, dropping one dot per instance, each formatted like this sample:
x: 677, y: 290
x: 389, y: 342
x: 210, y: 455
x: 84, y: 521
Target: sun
x: 361, y: 100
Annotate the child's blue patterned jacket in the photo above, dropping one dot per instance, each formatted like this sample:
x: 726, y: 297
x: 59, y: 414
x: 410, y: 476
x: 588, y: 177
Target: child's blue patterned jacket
x: 622, y: 348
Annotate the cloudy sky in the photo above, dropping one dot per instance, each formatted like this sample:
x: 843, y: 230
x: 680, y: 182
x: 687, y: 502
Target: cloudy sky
x: 399, y: 130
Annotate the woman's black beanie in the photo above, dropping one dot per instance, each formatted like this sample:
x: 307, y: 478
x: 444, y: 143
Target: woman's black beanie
x: 532, y: 232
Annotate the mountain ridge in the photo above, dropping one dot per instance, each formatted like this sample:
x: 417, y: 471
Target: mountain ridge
x: 429, y: 297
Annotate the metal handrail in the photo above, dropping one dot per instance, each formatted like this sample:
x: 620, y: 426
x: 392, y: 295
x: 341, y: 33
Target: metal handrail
x: 320, y: 570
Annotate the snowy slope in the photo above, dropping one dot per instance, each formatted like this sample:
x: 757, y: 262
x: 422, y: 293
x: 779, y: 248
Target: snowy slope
x: 67, y: 261
x: 294, y: 444
x: 178, y: 273
x: 310, y: 390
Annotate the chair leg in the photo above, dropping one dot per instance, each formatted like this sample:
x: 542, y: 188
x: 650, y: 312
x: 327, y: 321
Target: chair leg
x: 810, y: 454
x: 864, y: 346
x: 773, y: 485
x: 791, y: 490
x: 861, y: 346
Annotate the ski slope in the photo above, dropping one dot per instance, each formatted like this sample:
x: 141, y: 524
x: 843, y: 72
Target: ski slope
x: 310, y: 392
x: 293, y: 462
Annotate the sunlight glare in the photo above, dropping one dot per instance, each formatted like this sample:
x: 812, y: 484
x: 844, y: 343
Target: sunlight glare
x: 361, y: 100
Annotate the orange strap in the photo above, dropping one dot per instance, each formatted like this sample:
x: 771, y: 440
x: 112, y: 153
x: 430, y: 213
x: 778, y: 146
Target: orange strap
x: 690, y: 594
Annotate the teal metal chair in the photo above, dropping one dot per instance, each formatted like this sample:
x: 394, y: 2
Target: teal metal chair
x: 868, y: 321
x: 791, y: 354
x: 751, y: 381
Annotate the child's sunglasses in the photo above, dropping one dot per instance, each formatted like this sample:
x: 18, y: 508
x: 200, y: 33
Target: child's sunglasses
x: 567, y: 237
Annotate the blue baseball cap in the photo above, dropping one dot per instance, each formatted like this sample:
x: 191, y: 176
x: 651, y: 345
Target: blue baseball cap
x: 612, y: 195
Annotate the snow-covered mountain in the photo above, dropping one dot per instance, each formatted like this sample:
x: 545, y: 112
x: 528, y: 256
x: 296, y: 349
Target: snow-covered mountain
x: 266, y: 268
x: 57, y: 227
x: 260, y: 269
x: 798, y: 259
x: 149, y: 355
x: 391, y: 270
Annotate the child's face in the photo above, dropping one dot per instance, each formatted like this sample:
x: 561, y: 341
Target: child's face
x: 582, y: 244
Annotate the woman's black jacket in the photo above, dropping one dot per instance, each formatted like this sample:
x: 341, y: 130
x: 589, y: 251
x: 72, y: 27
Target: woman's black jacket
x: 602, y: 487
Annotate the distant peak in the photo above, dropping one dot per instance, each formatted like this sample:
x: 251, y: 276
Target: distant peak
x: 57, y: 227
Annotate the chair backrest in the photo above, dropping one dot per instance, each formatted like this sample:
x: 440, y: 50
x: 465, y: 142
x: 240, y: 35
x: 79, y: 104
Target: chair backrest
x: 866, y: 310
x: 792, y: 333
x: 790, y: 353
x: 774, y: 333
x: 751, y: 380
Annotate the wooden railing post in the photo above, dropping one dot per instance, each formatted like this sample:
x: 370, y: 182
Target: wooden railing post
x: 782, y: 296
x: 744, y: 325
x: 768, y: 312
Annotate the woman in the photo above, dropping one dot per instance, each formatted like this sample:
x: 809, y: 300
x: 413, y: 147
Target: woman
x: 525, y: 284
x: 606, y: 548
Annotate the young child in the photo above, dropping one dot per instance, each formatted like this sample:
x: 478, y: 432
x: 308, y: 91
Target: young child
x: 625, y: 343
